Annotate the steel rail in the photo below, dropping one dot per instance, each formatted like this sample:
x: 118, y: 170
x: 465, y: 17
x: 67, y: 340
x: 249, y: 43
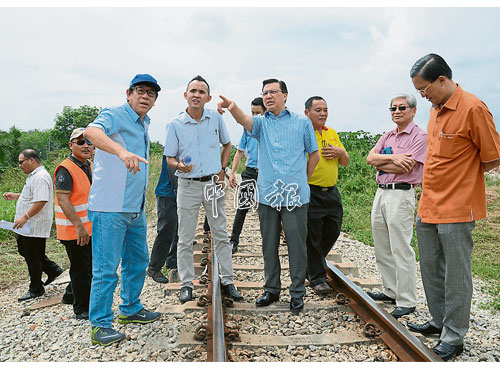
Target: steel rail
x: 405, y: 345
x: 216, y: 346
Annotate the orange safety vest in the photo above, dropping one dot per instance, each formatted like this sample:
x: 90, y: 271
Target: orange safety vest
x: 79, y: 198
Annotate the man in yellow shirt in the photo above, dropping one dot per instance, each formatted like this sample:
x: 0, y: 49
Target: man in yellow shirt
x: 324, y: 216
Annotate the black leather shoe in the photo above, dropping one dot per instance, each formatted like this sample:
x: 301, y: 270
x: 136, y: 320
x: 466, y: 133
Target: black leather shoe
x: 230, y: 291
x: 30, y: 295
x: 82, y: 316
x: 447, y: 351
x: 266, y: 299
x: 67, y: 300
x: 398, y: 312
x: 381, y: 297
x: 52, y: 277
x: 296, y: 305
x: 186, y: 294
x: 157, y: 276
x: 235, y: 247
x: 424, y: 329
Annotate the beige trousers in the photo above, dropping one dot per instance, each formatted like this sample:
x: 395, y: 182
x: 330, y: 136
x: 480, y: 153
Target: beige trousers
x: 392, y: 226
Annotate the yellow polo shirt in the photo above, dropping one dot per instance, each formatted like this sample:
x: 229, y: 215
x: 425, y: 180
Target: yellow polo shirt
x: 326, y: 172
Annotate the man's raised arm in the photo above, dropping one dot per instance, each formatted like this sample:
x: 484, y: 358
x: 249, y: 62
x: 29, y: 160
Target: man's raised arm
x: 236, y: 112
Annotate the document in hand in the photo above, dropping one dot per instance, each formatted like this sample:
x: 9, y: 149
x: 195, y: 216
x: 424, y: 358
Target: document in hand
x: 26, y: 229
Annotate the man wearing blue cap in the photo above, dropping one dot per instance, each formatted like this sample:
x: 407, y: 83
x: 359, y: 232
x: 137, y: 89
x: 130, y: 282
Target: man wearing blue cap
x: 116, y: 207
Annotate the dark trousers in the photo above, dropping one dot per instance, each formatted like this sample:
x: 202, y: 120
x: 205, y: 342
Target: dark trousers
x: 295, y: 226
x: 32, y: 249
x: 248, y: 174
x: 80, y: 273
x: 324, y: 220
x: 165, y: 245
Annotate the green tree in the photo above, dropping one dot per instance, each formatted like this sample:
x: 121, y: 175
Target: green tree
x: 72, y: 118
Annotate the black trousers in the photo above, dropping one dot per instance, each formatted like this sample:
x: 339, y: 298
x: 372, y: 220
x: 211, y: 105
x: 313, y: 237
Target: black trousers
x: 165, y: 245
x: 32, y: 249
x: 80, y: 273
x: 324, y: 221
x: 239, y: 218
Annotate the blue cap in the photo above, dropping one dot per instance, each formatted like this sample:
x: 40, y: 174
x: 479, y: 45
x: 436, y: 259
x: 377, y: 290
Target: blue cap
x: 139, y: 78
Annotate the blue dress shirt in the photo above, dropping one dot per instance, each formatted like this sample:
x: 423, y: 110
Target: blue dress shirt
x: 200, y: 140
x: 284, y: 143
x: 114, y: 188
x: 251, y: 148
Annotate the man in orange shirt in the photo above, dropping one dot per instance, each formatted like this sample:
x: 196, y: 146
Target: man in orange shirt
x: 462, y: 143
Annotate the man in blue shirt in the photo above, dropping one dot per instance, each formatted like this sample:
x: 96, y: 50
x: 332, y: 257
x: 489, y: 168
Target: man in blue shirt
x: 250, y: 146
x: 193, y: 148
x: 116, y: 207
x: 285, y: 139
x: 165, y: 245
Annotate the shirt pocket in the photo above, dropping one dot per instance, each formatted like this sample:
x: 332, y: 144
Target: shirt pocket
x: 447, y: 144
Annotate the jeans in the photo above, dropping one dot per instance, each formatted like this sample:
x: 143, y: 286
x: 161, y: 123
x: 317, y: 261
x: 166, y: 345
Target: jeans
x: 117, y: 236
x: 165, y: 245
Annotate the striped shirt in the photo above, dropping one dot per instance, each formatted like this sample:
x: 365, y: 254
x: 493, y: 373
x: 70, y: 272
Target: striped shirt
x: 284, y: 143
x: 37, y: 188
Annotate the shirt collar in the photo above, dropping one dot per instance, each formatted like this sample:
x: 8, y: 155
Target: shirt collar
x: 190, y: 120
x: 282, y: 113
x: 133, y: 114
x: 408, y: 128
x: 452, y: 102
x: 78, y: 162
x: 34, y: 171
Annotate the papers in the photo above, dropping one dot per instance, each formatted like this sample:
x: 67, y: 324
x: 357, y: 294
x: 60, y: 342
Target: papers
x: 26, y: 229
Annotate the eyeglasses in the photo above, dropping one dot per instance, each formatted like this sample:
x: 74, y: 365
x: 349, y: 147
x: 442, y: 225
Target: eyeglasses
x: 81, y: 142
x: 270, y: 92
x: 22, y: 161
x: 141, y: 91
x: 402, y: 108
x: 422, y: 92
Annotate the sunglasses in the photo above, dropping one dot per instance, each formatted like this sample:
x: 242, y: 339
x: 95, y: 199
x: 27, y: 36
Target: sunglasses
x: 81, y: 142
x: 402, y: 108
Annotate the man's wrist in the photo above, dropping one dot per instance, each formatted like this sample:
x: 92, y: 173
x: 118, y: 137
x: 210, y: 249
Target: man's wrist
x: 27, y: 215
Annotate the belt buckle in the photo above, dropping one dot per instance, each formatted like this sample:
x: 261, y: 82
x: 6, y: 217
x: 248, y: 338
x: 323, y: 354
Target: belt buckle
x: 324, y: 189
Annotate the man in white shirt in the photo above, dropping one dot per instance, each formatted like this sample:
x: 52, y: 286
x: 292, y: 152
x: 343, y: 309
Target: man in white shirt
x: 34, y: 206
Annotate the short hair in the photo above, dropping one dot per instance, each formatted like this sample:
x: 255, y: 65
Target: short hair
x: 410, y: 99
x: 309, y: 102
x: 283, y: 88
x: 259, y: 102
x: 201, y: 79
x: 30, y: 154
x: 430, y: 67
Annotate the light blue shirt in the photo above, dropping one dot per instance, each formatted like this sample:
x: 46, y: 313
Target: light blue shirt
x: 200, y: 140
x: 250, y: 146
x: 114, y: 188
x: 284, y: 143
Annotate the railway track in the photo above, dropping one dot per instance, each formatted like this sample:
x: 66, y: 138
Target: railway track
x: 345, y: 325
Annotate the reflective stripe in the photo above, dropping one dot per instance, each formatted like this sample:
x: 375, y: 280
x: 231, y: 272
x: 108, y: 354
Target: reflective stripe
x: 79, y: 208
x: 67, y: 223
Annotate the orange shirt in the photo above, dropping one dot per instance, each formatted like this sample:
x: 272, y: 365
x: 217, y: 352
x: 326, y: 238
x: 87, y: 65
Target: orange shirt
x: 460, y: 136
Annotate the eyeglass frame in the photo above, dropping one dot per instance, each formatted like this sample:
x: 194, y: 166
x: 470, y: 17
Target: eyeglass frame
x: 395, y: 108
x: 423, y: 91
x: 137, y: 88
x: 85, y: 140
x: 22, y: 161
x: 270, y: 92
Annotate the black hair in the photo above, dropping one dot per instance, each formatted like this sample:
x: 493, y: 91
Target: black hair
x: 309, y: 102
x: 283, y: 88
x: 201, y: 79
x: 430, y: 67
x: 259, y: 102
x: 30, y: 154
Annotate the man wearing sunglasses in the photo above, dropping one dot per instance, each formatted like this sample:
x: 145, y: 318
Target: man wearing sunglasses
x: 116, y: 206
x: 463, y: 143
x: 72, y: 180
x: 34, y: 207
x: 398, y: 156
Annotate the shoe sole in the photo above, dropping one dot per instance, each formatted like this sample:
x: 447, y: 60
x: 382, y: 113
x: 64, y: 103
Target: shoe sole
x: 106, y: 344
x: 123, y: 321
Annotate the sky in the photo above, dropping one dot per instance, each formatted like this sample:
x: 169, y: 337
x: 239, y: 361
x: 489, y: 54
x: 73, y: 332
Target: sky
x: 356, y: 58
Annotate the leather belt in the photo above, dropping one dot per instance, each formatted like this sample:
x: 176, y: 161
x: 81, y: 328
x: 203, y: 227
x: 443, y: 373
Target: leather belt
x: 398, y: 186
x: 253, y: 169
x: 321, y: 188
x: 201, y: 179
